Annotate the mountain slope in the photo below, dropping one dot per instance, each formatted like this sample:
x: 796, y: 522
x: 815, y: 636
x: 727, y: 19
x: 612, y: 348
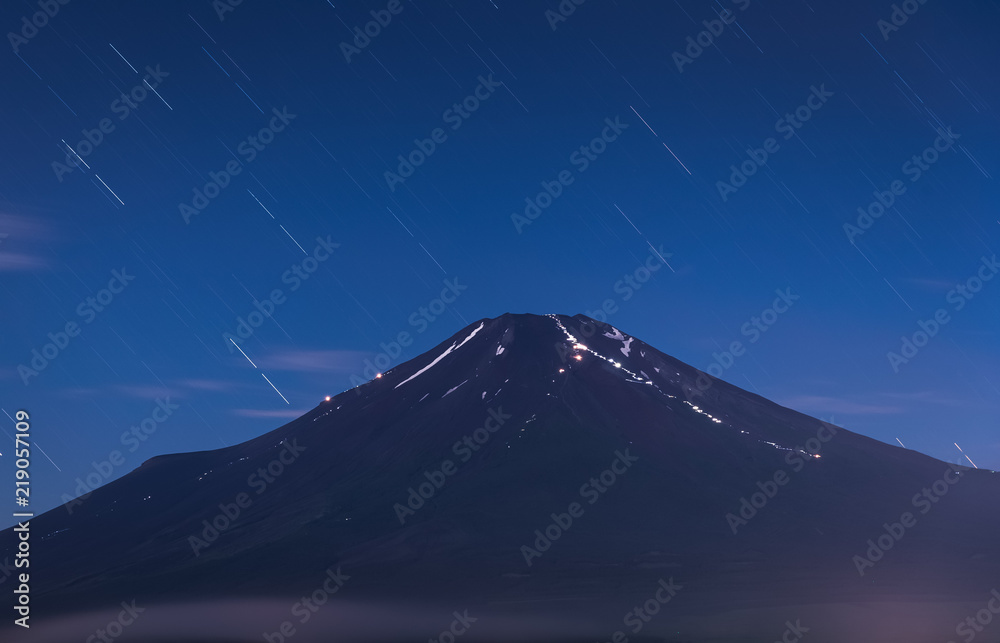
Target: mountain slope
x: 633, y: 467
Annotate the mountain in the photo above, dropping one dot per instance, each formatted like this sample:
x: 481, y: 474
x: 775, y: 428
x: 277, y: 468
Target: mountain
x: 537, y: 478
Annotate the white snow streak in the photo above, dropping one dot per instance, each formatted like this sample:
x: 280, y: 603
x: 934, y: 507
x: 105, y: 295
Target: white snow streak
x: 615, y: 335
x: 441, y: 356
x: 452, y: 389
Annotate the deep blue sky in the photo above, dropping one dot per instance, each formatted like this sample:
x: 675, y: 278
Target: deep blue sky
x: 547, y: 93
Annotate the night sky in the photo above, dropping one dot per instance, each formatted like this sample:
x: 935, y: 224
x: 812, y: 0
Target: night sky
x: 468, y: 159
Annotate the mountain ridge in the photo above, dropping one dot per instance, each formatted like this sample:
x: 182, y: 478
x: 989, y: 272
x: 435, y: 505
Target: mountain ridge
x: 529, y: 410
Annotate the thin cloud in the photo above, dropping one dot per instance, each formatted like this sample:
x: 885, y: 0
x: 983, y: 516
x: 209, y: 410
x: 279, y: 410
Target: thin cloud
x: 823, y: 404
x: 18, y: 235
x: 271, y: 413
x: 117, y: 391
x: 146, y: 392
x: 20, y: 262
x: 207, y: 385
x: 305, y: 361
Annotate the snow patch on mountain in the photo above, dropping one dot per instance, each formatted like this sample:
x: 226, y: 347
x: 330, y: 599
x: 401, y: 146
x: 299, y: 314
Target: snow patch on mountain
x: 440, y: 357
x: 577, y: 346
x: 615, y: 335
x: 453, y: 389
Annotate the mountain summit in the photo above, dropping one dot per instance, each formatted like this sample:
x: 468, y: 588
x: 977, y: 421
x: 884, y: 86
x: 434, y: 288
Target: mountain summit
x: 533, y: 477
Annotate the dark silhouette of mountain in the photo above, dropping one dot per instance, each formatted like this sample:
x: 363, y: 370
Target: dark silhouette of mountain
x: 538, y: 478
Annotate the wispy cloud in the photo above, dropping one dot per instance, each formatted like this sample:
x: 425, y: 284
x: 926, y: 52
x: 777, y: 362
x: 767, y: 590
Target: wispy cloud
x: 271, y: 413
x: 136, y: 391
x: 821, y: 404
x: 306, y: 361
x: 15, y: 261
x: 145, y: 392
x: 207, y: 385
x: 22, y: 226
x: 19, y: 235
x: 931, y: 397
